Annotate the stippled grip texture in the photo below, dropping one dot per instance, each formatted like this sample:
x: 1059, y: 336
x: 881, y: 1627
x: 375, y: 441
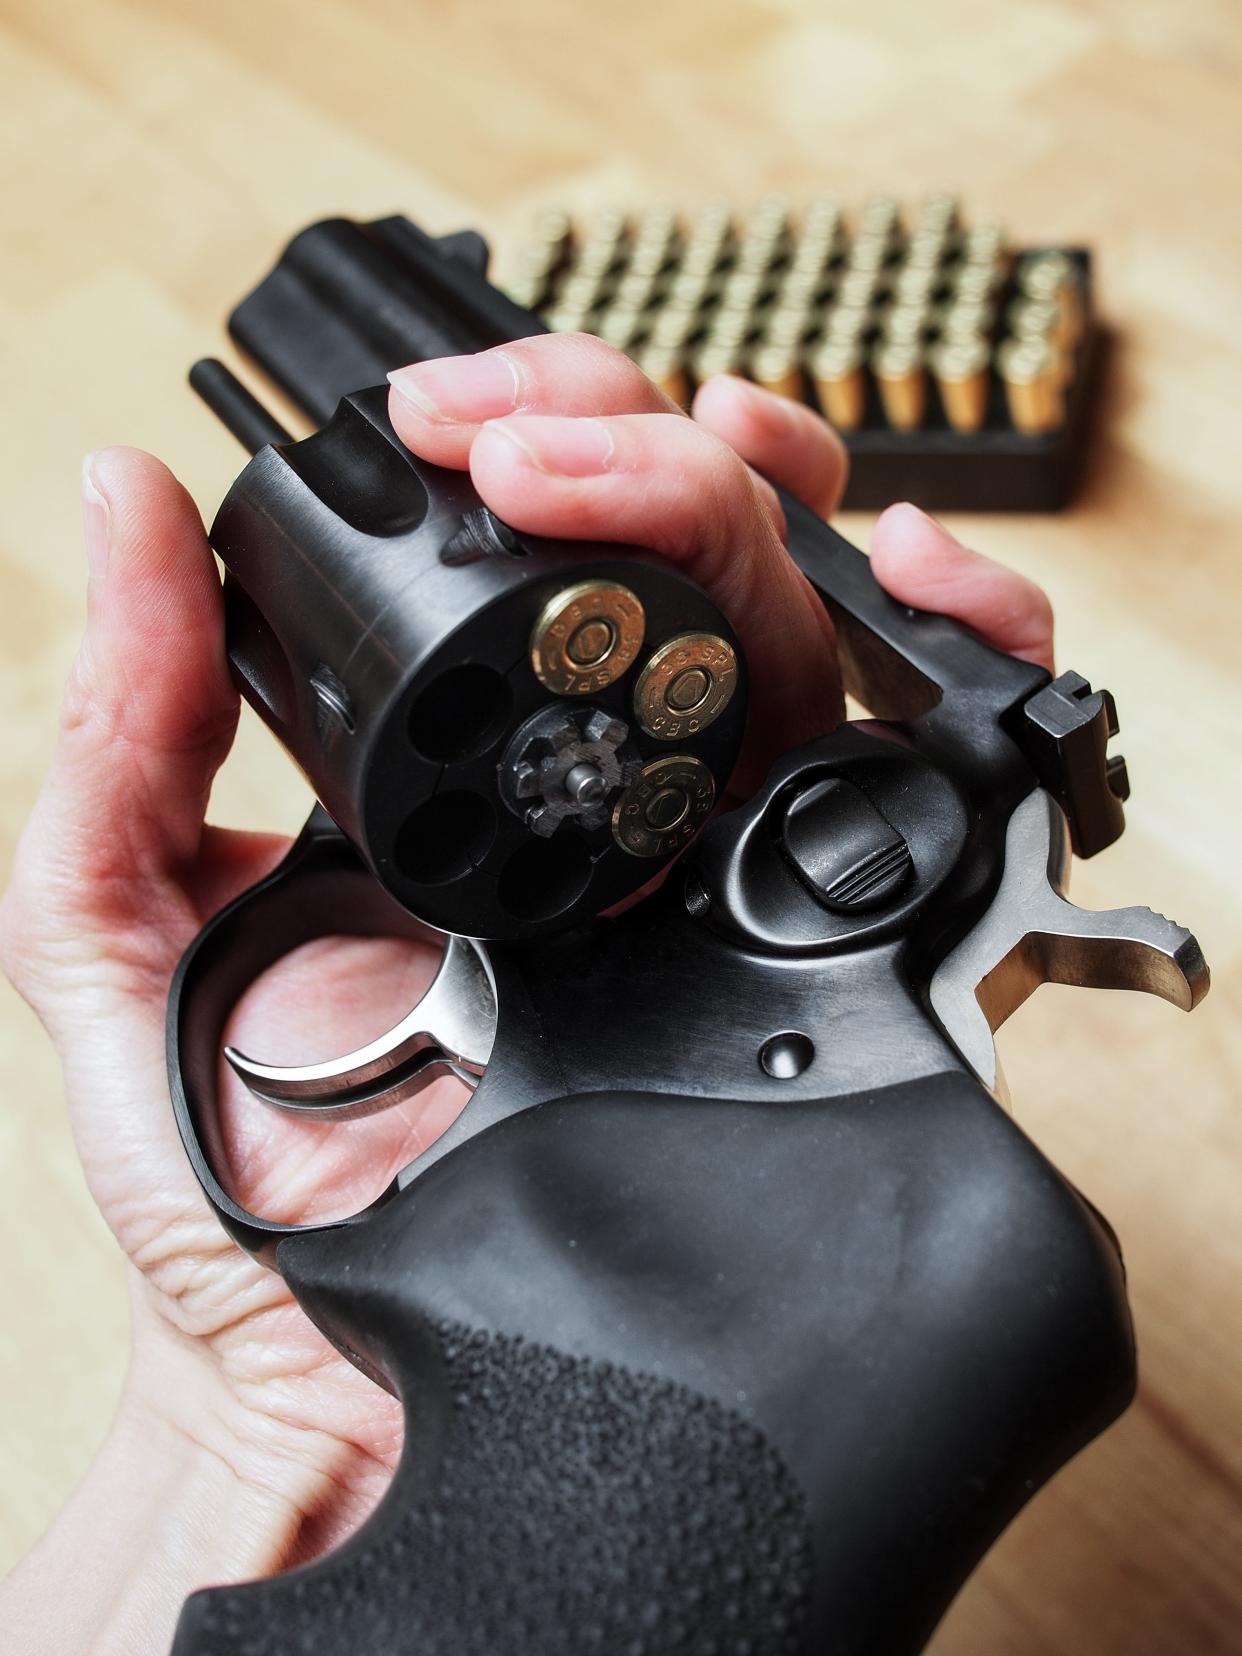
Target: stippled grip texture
x: 686, y: 1375
x: 577, y: 1507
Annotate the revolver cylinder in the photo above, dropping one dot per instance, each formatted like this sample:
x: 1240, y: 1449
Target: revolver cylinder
x: 472, y: 707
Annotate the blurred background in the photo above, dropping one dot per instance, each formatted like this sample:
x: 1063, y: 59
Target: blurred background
x: 156, y: 156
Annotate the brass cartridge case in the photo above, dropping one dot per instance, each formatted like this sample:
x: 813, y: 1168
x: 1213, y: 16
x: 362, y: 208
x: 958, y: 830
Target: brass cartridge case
x: 1042, y: 320
x: 880, y: 216
x: 960, y: 368
x: 915, y: 284
x: 905, y: 325
x: 848, y: 323
x: 785, y: 328
x: 838, y: 372
x: 1052, y: 278
x: 714, y: 357
x: 673, y: 327
x: 926, y: 250
x: 976, y: 283
x: 1033, y: 385
x: 857, y: 290
x: 902, y: 382
x: 939, y: 211
x: 777, y: 369
x: 620, y: 325
x: 966, y: 320
x: 666, y: 368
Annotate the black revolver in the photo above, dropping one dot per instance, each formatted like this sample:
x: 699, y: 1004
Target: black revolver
x: 734, y: 1314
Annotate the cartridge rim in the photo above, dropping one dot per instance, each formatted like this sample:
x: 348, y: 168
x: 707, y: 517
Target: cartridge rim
x: 663, y: 704
x: 604, y: 619
x: 662, y: 809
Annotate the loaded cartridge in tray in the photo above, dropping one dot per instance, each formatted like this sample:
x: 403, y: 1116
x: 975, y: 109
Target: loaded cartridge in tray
x: 958, y: 368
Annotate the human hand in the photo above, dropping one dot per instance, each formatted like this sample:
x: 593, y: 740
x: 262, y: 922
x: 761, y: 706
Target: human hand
x: 117, y: 870
x: 564, y: 436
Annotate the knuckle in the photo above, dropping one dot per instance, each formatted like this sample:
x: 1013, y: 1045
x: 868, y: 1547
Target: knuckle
x: 594, y: 361
x: 583, y: 370
x: 772, y: 504
x: 80, y: 701
x: 567, y: 347
x: 725, y: 465
x: 728, y: 501
x: 612, y: 367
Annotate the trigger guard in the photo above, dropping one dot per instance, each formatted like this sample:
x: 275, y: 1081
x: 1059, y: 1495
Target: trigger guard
x: 320, y: 888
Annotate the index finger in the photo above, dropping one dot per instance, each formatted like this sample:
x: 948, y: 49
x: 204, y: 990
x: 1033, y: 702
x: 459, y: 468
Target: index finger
x: 438, y: 407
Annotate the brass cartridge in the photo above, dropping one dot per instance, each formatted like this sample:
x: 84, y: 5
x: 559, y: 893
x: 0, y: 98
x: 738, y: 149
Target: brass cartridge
x: 838, y: 372
x: 776, y: 368
x: 902, y: 382
x: 960, y: 368
x: 1052, y: 278
x: 666, y: 368
x: 1033, y: 385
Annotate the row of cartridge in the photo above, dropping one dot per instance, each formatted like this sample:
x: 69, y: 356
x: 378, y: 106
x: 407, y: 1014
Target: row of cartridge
x: 881, y: 318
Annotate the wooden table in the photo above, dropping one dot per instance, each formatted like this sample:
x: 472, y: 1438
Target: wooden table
x: 155, y: 156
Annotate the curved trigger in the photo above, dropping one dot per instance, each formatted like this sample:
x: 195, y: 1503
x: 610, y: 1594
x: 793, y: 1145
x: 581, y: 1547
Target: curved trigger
x: 450, y: 1031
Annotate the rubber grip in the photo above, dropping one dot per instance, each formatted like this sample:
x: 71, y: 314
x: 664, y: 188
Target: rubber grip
x: 684, y: 1375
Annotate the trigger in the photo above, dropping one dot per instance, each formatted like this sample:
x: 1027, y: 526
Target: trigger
x: 1032, y: 934
x: 449, y: 1032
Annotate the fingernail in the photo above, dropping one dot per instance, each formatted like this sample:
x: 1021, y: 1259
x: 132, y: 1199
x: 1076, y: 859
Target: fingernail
x: 559, y: 446
x: 918, y: 511
x: 95, y: 518
x: 776, y: 412
x: 929, y: 517
x: 462, y: 390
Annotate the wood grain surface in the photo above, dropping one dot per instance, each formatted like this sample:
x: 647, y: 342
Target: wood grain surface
x: 154, y: 157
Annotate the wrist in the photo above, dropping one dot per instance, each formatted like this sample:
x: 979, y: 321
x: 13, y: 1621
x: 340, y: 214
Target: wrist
x: 189, y: 1488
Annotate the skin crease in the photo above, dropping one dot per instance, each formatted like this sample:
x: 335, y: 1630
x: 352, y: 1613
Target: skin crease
x: 243, y: 1442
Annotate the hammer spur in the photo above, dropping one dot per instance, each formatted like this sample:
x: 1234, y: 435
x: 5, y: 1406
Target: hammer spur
x: 1032, y: 934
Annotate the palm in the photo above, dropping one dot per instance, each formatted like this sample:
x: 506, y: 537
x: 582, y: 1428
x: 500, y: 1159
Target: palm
x: 323, y: 1000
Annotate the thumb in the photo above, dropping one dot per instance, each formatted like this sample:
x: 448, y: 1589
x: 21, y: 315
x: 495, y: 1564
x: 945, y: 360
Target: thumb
x: 148, y: 715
